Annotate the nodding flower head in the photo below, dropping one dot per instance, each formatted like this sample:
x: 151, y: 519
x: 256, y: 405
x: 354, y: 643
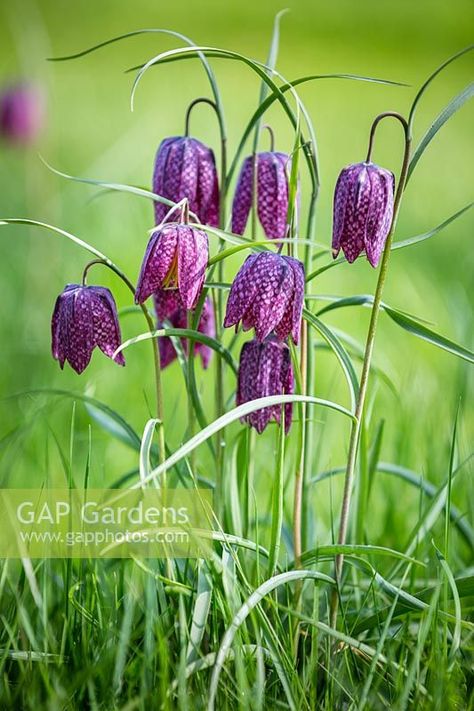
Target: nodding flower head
x: 272, y: 194
x: 267, y: 294
x: 84, y: 317
x: 21, y: 113
x: 363, y: 211
x: 176, y: 258
x: 186, y: 168
x: 265, y: 369
x: 168, y: 306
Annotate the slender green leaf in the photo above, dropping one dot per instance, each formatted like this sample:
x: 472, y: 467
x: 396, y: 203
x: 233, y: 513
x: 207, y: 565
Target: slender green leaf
x: 432, y: 76
x: 252, y: 601
x: 453, y: 106
x: 183, y: 333
x: 236, y: 414
x: 426, y: 235
x: 202, y: 605
x: 340, y: 352
x: 145, y: 449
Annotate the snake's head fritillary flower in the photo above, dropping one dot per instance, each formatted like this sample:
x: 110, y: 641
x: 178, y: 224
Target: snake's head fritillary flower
x: 186, y: 168
x: 267, y: 294
x: 363, y: 211
x: 169, y: 306
x: 272, y: 194
x: 176, y: 258
x: 84, y: 317
x: 21, y: 113
x: 265, y: 369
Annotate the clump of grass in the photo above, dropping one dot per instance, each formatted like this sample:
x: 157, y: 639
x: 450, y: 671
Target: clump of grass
x: 284, y: 613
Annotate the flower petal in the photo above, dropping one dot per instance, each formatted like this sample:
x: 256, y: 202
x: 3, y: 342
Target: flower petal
x: 106, y: 326
x: 193, y: 256
x: 272, y: 193
x: 243, y: 197
x: 157, y: 261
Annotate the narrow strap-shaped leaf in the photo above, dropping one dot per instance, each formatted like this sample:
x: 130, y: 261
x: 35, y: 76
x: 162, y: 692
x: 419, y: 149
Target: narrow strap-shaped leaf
x: 407, y: 322
x: 432, y: 76
x: 182, y: 333
x: 207, y: 67
x: 427, y: 235
x: 105, y: 416
x: 258, y: 67
x: 252, y: 601
x: 453, y: 106
x: 265, y: 105
x: 145, y: 449
x: 236, y: 414
x: 340, y: 353
x: 427, y: 334
x: 202, y: 605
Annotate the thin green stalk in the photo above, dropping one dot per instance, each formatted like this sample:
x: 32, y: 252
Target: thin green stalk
x: 191, y: 418
x: 359, y: 411
x: 219, y: 309
x: 156, y: 352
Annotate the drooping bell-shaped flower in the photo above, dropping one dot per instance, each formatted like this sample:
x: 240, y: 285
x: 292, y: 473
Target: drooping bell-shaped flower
x: 265, y: 369
x: 363, y: 211
x: 21, y: 113
x: 186, y: 168
x: 176, y: 257
x: 267, y: 294
x: 169, y: 306
x: 272, y: 194
x: 84, y: 317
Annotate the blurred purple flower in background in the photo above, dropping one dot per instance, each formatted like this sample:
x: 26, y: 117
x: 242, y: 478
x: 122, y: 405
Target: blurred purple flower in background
x: 267, y: 294
x: 22, y: 109
x: 265, y: 369
x: 176, y: 257
x: 186, y: 168
x: 84, y: 317
x: 272, y: 194
x: 169, y: 306
x: 363, y: 211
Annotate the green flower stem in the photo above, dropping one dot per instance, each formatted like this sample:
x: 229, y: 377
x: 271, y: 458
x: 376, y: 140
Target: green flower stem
x: 359, y: 411
x: 156, y: 352
x: 219, y: 311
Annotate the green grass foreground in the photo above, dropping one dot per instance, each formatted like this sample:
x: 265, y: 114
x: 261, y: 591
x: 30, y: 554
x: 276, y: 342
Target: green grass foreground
x: 248, y: 628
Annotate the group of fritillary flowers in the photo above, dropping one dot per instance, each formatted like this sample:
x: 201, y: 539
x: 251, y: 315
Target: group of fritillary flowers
x: 267, y: 293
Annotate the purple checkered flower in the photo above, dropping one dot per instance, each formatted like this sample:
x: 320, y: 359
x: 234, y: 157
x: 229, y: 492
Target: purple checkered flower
x: 176, y: 257
x: 169, y: 306
x: 363, y: 211
x: 265, y: 369
x: 267, y: 294
x: 272, y: 194
x: 21, y: 113
x: 84, y: 317
x: 186, y: 168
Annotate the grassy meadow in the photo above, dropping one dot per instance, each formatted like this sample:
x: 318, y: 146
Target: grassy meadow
x: 157, y: 635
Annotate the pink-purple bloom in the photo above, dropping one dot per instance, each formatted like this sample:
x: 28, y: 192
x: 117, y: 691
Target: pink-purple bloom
x: 363, y: 211
x: 176, y: 258
x: 169, y: 306
x: 272, y: 194
x: 186, y: 168
x: 21, y: 113
x: 84, y: 317
x: 265, y: 369
x: 267, y: 294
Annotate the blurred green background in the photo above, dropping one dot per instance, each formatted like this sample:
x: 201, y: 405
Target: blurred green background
x: 91, y: 132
